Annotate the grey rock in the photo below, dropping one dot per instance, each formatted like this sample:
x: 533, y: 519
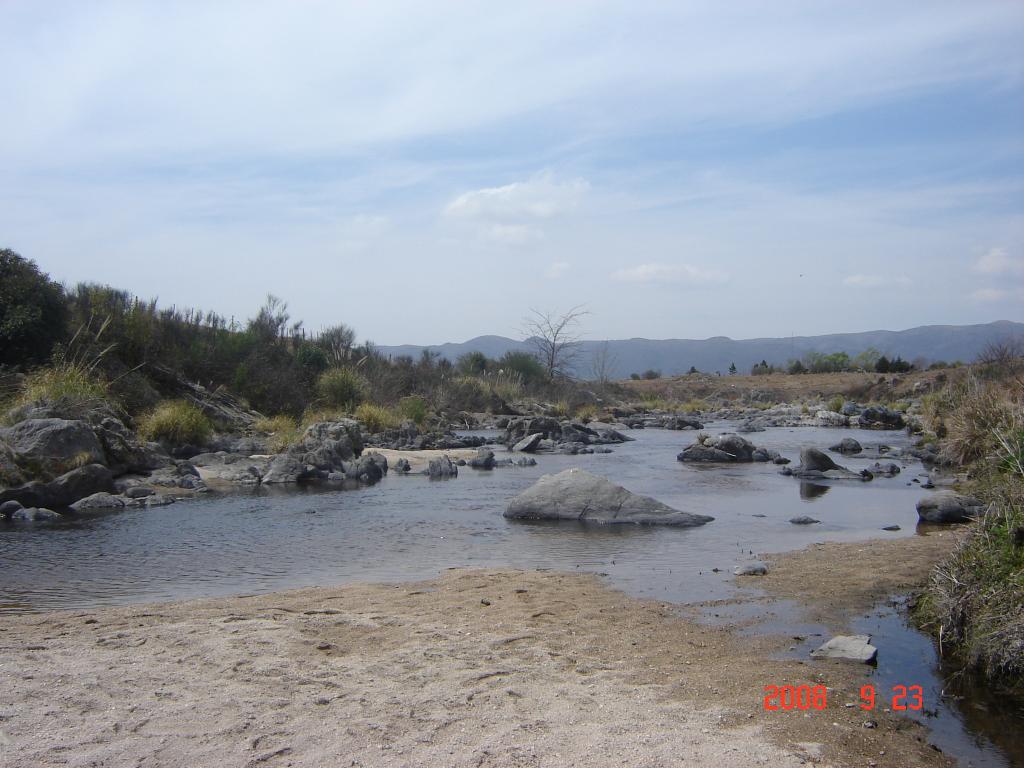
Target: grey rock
x: 811, y: 459
x: 53, y: 446
x: 284, y: 468
x: 751, y: 569
x: 891, y: 528
x: 949, y: 507
x: 10, y: 473
x: 526, y: 461
x: 803, y: 520
x: 35, y: 515
x: 885, y: 470
x: 124, y: 452
x: 578, y: 495
x: 529, y: 443
x: 64, y: 490
x: 881, y: 418
x: 100, y: 500
x: 8, y: 508
x: 847, y: 445
x: 139, y: 492
x: 484, y: 459
x: 724, y: 448
x: 851, y: 647
x: 831, y: 419
x: 402, y: 466
x: 442, y: 467
x: 678, y: 422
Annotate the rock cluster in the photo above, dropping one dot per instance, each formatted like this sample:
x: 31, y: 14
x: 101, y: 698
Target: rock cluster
x: 727, y: 448
x: 544, y: 433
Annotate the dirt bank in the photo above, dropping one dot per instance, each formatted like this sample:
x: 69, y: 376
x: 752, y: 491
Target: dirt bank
x: 475, y: 668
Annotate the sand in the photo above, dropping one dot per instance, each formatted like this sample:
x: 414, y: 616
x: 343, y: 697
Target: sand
x: 474, y: 668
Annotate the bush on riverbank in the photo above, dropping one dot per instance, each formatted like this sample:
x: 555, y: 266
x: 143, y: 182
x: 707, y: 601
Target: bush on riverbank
x: 176, y: 422
x: 975, y: 601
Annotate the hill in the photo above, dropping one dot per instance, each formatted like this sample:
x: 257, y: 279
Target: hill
x: 675, y: 356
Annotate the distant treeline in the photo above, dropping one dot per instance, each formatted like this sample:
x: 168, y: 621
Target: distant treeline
x: 818, y: 362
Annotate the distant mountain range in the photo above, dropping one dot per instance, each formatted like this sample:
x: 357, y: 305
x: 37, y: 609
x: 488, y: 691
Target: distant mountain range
x: 675, y: 356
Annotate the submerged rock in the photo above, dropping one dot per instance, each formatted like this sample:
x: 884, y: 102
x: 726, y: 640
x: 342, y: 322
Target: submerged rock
x: 578, y: 495
x: 803, y: 520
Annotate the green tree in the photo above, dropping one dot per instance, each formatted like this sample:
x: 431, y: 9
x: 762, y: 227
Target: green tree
x: 33, y: 313
x: 732, y: 369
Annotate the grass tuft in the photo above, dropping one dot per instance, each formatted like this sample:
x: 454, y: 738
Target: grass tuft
x: 177, y: 422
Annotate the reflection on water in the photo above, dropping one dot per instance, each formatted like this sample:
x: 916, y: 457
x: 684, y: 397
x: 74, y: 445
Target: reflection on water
x: 812, y: 491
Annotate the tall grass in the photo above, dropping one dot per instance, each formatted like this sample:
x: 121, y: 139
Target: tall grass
x: 975, y: 603
x: 283, y: 431
x: 177, y: 422
x: 377, y: 418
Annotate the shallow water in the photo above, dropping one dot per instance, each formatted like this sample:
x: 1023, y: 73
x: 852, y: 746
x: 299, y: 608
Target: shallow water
x: 411, y: 527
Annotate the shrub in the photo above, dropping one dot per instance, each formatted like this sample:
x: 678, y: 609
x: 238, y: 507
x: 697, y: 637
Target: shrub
x: 177, y: 422
x: 377, y: 418
x: 33, y: 313
x: 586, y: 413
x: 283, y: 431
x: 341, y: 388
x: 695, y: 406
x: 414, y: 408
x: 529, y: 368
x: 836, y: 404
x: 651, y: 374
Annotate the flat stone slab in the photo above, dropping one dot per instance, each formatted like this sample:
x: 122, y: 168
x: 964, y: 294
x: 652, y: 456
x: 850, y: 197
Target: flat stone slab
x: 850, y: 647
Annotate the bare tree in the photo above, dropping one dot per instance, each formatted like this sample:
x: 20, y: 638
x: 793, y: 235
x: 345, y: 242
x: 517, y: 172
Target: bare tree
x: 554, y: 338
x: 603, y: 364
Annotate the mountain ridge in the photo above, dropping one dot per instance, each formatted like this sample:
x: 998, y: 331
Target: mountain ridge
x: 716, y: 353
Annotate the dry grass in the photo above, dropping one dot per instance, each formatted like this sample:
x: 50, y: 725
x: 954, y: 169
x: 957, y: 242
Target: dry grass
x: 377, y: 418
x: 177, y: 422
x: 283, y: 431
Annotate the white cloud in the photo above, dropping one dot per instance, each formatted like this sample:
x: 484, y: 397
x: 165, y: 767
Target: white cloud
x: 541, y: 197
x: 998, y: 262
x: 556, y: 269
x: 995, y: 294
x: 875, y: 281
x: 656, y: 272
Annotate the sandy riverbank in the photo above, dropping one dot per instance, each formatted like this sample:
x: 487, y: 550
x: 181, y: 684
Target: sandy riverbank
x: 475, y: 668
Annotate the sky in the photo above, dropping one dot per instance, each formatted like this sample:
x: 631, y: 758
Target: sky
x: 432, y: 171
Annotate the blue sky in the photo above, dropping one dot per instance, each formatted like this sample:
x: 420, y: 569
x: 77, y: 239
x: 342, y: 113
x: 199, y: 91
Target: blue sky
x: 429, y: 172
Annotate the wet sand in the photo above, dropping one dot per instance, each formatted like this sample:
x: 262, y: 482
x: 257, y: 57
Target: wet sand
x: 474, y: 668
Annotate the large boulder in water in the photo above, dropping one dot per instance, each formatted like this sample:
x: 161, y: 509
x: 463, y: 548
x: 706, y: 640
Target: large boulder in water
x: 949, y: 507
x: 724, y: 448
x: 817, y: 465
x: 578, y: 495
x: 53, y: 446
